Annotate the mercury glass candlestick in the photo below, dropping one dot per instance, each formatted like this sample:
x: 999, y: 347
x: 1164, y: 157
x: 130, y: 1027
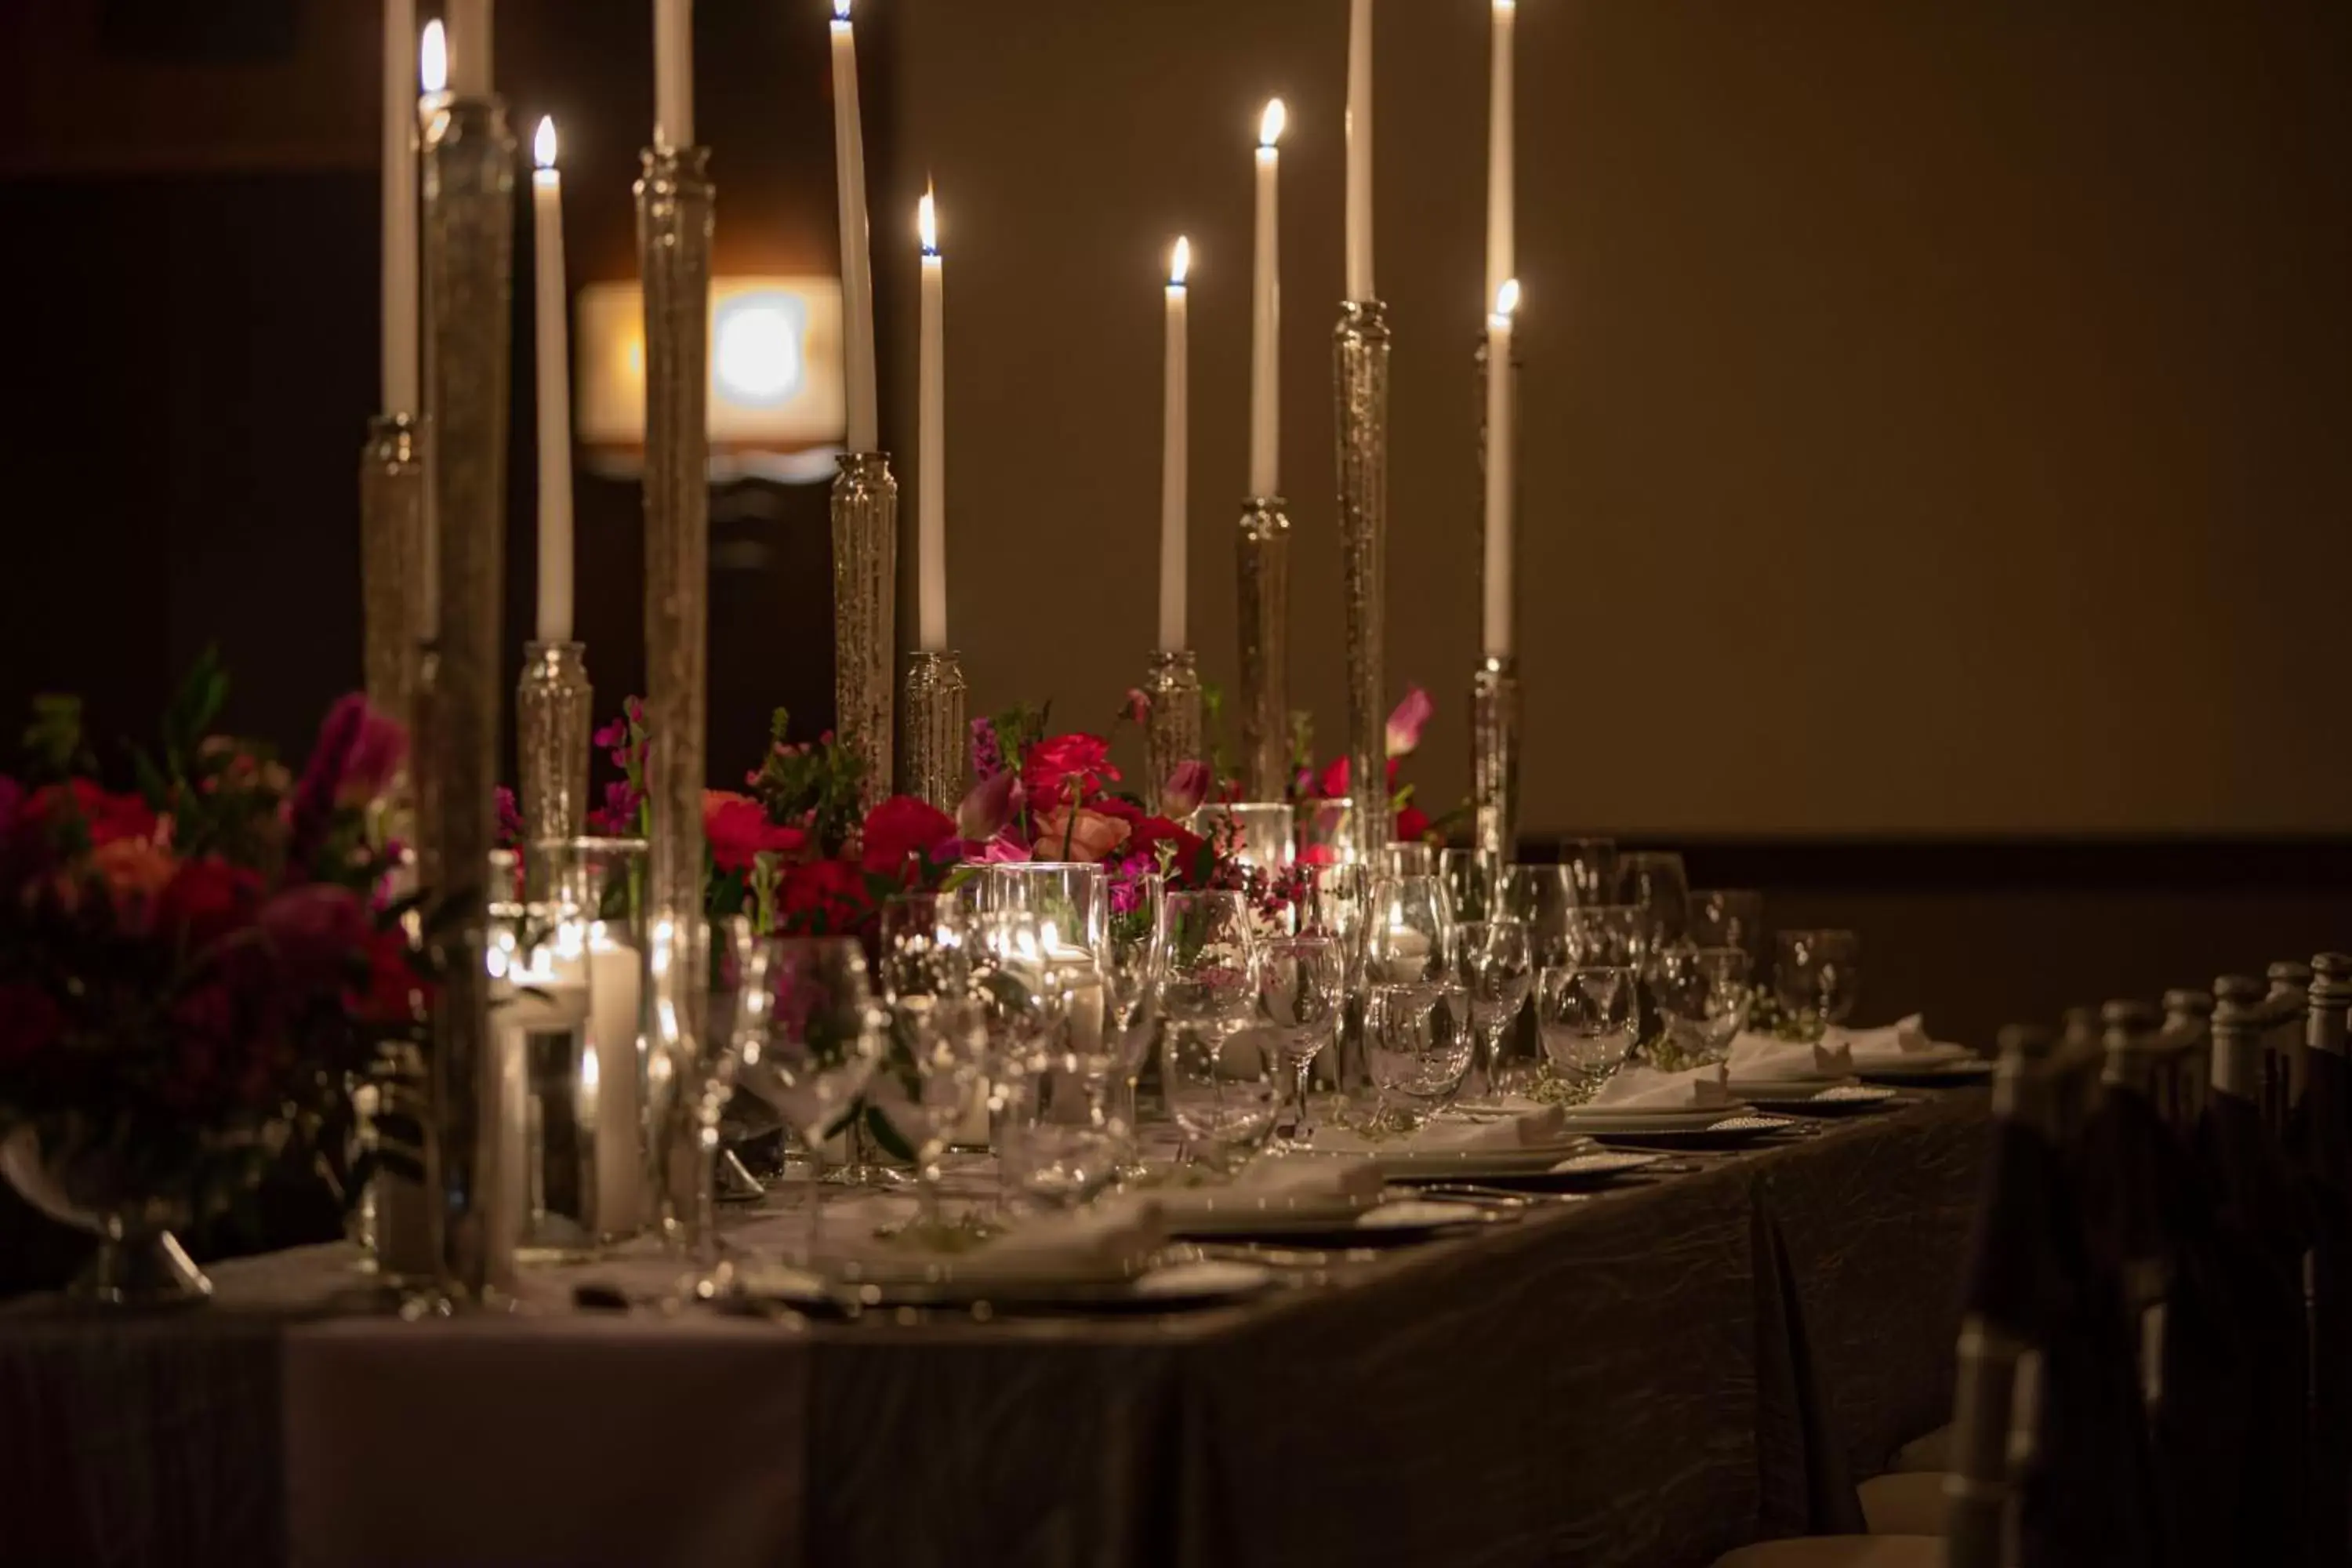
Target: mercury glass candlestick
x: 1171, y: 724
x: 933, y: 770
x: 1360, y: 366
x: 469, y: 175
x: 554, y: 705
x: 393, y: 559
x: 1495, y: 760
x: 865, y: 606
x: 675, y: 201
x: 1264, y: 556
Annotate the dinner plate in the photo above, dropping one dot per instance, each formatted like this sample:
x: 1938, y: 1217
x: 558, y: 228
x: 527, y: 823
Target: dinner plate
x: 1581, y: 1171
x: 1936, y: 1072
x: 1593, y: 1121
x: 1842, y: 1096
x: 1218, y: 1211
x: 1193, y: 1282
x: 1405, y: 1163
x: 1390, y: 1224
x: 1734, y: 1131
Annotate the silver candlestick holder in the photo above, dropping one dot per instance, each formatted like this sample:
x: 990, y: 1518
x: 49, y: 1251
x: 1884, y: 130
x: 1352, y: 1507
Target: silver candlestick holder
x: 675, y: 202
x: 1495, y: 759
x: 932, y: 769
x: 865, y: 608
x: 1263, y: 544
x: 468, y: 177
x: 393, y: 562
x: 554, y: 708
x: 1172, y: 725
x: 1359, y: 367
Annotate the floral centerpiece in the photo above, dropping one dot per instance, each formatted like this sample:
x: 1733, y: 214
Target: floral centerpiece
x: 194, y: 974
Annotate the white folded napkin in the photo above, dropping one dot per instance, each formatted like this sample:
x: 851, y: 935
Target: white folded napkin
x: 1113, y: 1239
x: 1531, y: 1129
x: 1648, y: 1089
x: 1761, y: 1057
x: 1284, y: 1182
x: 1889, y: 1042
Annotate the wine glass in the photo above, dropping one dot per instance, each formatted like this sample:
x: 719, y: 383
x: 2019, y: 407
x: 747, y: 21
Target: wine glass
x: 1496, y: 969
x: 1541, y: 897
x: 1408, y: 859
x: 1324, y: 827
x: 1409, y: 939
x: 1418, y: 1040
x: 1473, y: 881
x: 1301, y: 985
x: 1592, y: 867
x: 926, y: 945
x: 944, y: 1038
x: 1727, y: 917
x: 1214, y: 1069
x: 1704, y: 995
x: 1816, y: 978
x: 1654, y: 883
x: 1586, y: 1017
x: 812, y: 1036
x: 1131, y: 983
x: 1604, y: 934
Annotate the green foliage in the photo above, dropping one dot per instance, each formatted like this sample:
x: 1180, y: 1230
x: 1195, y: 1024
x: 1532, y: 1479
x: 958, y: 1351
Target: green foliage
x: 811, y: 785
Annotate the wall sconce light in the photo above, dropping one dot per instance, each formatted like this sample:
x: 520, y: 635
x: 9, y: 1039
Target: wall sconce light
x: 775, y: 365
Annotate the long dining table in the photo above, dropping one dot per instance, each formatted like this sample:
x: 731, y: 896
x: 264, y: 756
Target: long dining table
x: 1646, y: 1375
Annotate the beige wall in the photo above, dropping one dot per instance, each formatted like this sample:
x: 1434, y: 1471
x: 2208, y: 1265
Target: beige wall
x: 1935, y: 412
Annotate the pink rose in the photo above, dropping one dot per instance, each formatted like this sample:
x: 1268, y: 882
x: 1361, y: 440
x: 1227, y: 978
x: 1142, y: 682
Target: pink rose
x: 1080, y: 835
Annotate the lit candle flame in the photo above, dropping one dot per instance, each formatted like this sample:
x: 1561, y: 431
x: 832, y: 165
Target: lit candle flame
x: 1506, y: 299
x: 841, y: 10
x: 543, y: 145
x: 927, y: 218
x: 432, y: 59
x: 1179, y: 262
x: 1502, y: 8
x: 1269, y: 126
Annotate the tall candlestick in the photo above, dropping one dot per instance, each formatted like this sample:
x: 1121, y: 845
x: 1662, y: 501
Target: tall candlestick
x: 398, y: 320
x: 1359, y: 151
x: 1173, y: 457
x: 1500, y: 445
x: 930, y: 445
x: 1265, y: 316
x: 470, y: 48
x: 1501, y: 264
x: 856, y: 270
x: 673, y: 73
x: 553, y: 343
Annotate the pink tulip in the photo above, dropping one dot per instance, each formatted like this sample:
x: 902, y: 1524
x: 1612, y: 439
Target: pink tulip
x: 1187, y: 787
x: 1406, y: 721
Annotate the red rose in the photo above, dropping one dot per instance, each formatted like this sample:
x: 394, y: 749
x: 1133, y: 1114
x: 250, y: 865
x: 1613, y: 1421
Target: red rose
x: 1127, y: 811
x: 204, y: 1025
x: 30, y: 1022
x: 738, y: 830
x: 316, y: 930
x: 207, y: 899
x: 1411, y: 825
x: 1063, y: 767
x: 822, y: 898
x: 1151, y: 832
x: 902, y: 828
x: 105, y: 815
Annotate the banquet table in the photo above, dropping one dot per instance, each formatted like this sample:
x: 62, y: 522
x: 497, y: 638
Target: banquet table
x: 1644, y: 1376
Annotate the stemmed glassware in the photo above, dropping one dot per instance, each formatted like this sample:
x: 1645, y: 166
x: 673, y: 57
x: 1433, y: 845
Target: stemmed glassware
x: 1419, y: 1042
x: 1409, y: 939
x: 813, y: 1036
x: 1586, y: 1017
x: 1222, y: 1083
x: 1407, y: 859
x: 1496, y: 971
x: 1704, y: 995
x: 939, y: 1030
x: 1592, y: 867
x: 1301, y: 988
x: 1609, y: 935
x: 1473, y: 881
x: 1818, y: 978
x: 1137, y: 952
x: 1727, y: 917
x: 1542, y: 899
x: 1654, y: 883
x: 1337, y: 901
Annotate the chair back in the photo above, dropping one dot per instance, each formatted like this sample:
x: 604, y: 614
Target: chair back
x: 2283, y: 1040
x: 2185, y: 1043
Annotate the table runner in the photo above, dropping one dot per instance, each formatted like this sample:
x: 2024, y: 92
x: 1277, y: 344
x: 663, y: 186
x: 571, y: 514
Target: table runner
x: 1645, y: 1378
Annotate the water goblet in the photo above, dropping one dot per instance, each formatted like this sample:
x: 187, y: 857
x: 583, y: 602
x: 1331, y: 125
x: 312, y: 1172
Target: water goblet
x: 1608, y: 935
x: 1409, y: 939
x: 1473, y: 881
x: 1704, y: 996
x: 814, y: 1038
x: 1816, y: 978
x: 1213, y: 1069
x: 1301, y: 989
x: 1541, y: 897
x: 1408, y: 858
x: 944, y: 1037
x: 1727, y: 917
x: 1592, y: 867
x: 1418, y: 1040
x: 1496, y: 971
x: 1654, y: 882
x: 1586, y: 1016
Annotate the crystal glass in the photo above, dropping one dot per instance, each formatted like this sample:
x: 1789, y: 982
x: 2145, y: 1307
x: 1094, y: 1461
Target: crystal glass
x: 1301, y: 988
x: 814, y: 1036
x: 1414, y: 860
x: 1586, y: 1017
x: 1419, y: 1042
x: 944, y: 1039
x: 1541, y: 897
x: 704, y: 1078
x: 1654, y: 882
x: 1336, y: 902
x: 1498, y: 969
x: 1592, y: 867
x: 1473, y: 881
x: 1817, y: 978
x: 1704, y: 995
x: 1216, y: 1071
x: 1131, y: 988
x: 539, y: 971
x: 1727, y: 917
x: 1324, y: 829
x: 1604, y: 934
x: 1070, y: 899
x: 924, y: 946
x: 1261, y: 832
x: 1410, y: 939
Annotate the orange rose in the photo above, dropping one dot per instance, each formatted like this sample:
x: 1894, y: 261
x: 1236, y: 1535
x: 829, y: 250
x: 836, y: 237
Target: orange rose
x: 1084, y: 835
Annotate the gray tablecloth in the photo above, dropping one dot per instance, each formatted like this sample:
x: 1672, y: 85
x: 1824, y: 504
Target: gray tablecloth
x: 1645, y: 1378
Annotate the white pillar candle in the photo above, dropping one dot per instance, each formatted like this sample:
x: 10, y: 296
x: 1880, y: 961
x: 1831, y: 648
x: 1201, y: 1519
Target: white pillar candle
x: 1265, y: 316
x: 615, y: 1015
x: 930, y: 444
x: 1174, y: 456
x: 1501, y: 416
x: 1501, y: 245
x: 433, y: 81
x: 1359, y: 151
x: 398, y: 320
x: 553, y: 341
x: 864, y: 433
x: 673, y: 73
x: 470, y: 48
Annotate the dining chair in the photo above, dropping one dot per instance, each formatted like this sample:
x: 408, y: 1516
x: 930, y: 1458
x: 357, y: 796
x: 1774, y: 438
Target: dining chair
x: 2186, y: 1041
x: 2285, y: 1014
x: 2319, y: 1146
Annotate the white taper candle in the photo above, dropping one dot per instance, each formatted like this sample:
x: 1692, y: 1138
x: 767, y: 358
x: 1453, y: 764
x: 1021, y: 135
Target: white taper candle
x: 1501, y: 446
x: 470, y: 48
x: 673, y: 73
x: 1173, y: 454
x: 1501, y: 244
x: 399, y: 313
x: 552, y: 342
x: 1359, y: 151
x: 1265, y: 315
x: 930, y: 444
x: 864, y: 433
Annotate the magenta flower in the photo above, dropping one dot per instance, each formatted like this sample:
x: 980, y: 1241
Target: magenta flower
x: 1139, y: 705
x: 1003, y: 849
x: 1406, y: 721
x: 617, y: 817
x: 358, y: 753
x: 314, y: 929
x: 989, y: 806
x: 510, y: 823
x: 1187, y: 787
x: 987, y: 755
